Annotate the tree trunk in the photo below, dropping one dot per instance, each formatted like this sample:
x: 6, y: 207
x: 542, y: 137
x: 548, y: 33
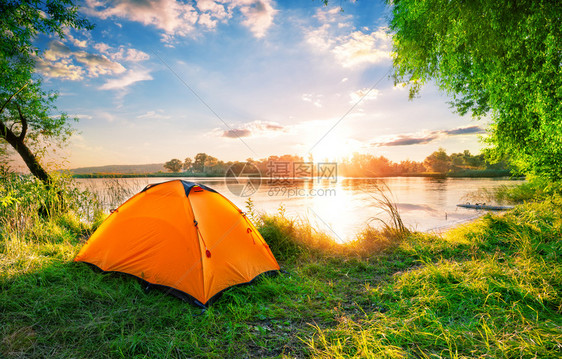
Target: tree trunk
x: 30, y: 160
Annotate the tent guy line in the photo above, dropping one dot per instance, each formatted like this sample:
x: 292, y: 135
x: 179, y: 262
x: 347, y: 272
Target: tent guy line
x: 350, y: 109
x: 203, y: 101
x: 326, y: 224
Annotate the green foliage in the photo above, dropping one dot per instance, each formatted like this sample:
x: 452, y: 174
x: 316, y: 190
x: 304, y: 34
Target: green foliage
x: 438, y: 161
x: 25, y: 202
x: 174, y: 165
x: 199, y: 162
x: 533, y: 191
x: 493, y: 57
x: 27, y: 123
x: 187, y: 163
x: 489, y: 289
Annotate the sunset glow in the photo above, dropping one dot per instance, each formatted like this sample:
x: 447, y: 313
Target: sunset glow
x: 234, y: 80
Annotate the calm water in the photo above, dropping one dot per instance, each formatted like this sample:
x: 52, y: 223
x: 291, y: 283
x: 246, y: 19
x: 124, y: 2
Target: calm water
x: 340, y: 207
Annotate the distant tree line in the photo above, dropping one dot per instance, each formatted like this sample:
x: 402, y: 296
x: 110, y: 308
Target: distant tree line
x: 359, y: 165
x: 439, y: 162
x: 204, y: 163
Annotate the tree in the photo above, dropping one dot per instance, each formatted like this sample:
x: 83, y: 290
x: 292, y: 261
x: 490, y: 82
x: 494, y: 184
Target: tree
x: 438, y: 161
x: 187, y: 163
x: 210, y: 162
x: 500, y: 58
x: 174, y: 165
x: 199, y: 162
x: 26, y: 118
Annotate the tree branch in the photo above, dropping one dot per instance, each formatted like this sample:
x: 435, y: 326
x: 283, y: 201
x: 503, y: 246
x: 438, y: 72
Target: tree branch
x: 7, y: 134
x: 11, y: 97
x: 23, y: 124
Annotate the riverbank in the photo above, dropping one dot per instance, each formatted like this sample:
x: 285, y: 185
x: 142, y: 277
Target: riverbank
x: 491, y: 288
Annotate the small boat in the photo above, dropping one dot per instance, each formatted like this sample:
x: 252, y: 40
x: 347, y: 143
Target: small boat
x: 485, y: 206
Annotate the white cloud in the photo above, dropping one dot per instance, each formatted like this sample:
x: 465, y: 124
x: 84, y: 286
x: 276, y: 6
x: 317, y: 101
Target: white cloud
x: 82, y: 116
x: 259, y: 15
x: 207, y: 20
x: 331, y: 15
x: 177, y: 18
x: 312, y: 98
x: 102, y: 47
x: 121, y: 53
x: 97, y: 65
x: 154, y: 115
x: 56, y: 51
x: 107, y: 116
x: 130, y: 77
x: 62, y: 62
x: 131, y: 55
x: 171, y: 16
x: 214, y: 9
x: 320, y: 38
x: 69, y: 38
x: 360, y: 48
x: 63, y: 69
x: 350, y: 49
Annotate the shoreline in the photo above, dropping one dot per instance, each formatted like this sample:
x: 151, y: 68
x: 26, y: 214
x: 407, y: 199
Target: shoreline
x: 483, y: 174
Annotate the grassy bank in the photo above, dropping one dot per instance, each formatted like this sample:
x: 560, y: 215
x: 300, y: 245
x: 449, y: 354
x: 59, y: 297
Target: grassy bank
x: 492, y: 288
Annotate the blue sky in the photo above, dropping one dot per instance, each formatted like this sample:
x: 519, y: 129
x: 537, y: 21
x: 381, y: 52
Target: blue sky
x: 166, y: 79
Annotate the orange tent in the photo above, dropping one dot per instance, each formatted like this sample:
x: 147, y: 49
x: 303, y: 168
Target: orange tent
x: 182, y: 236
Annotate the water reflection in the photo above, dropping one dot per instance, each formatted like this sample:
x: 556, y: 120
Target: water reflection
x: 343, y: 207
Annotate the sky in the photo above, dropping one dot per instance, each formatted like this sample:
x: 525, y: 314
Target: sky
x: 237, y: 79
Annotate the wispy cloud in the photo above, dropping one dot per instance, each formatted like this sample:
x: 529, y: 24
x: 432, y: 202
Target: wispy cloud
x: 73, y: 40
x: 154, y: 115
x: 253, y: 129
x: 130, y: 77
x: 407, y: 140
x: 315, y: 99
x: 332, y: 15
x: 122, y: 53
x: 417, y: 139
x: 237, y: 132
x: 464, y: 131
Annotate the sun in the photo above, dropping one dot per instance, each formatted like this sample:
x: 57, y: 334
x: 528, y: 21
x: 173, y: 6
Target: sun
x: 334, y: 148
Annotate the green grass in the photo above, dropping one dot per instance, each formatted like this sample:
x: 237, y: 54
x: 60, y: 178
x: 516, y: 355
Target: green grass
x: 489, y: 289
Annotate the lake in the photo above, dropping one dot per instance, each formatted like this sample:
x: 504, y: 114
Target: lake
x: 338, y: 206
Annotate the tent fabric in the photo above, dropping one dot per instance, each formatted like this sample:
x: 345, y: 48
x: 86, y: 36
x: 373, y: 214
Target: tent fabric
x: 180, y: 235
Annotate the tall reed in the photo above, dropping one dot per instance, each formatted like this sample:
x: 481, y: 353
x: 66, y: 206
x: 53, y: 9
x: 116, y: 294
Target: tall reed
x: 383, y: 199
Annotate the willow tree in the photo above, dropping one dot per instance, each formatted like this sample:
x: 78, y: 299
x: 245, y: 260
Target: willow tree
x: 495, y: 58
x: 27, y: 120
